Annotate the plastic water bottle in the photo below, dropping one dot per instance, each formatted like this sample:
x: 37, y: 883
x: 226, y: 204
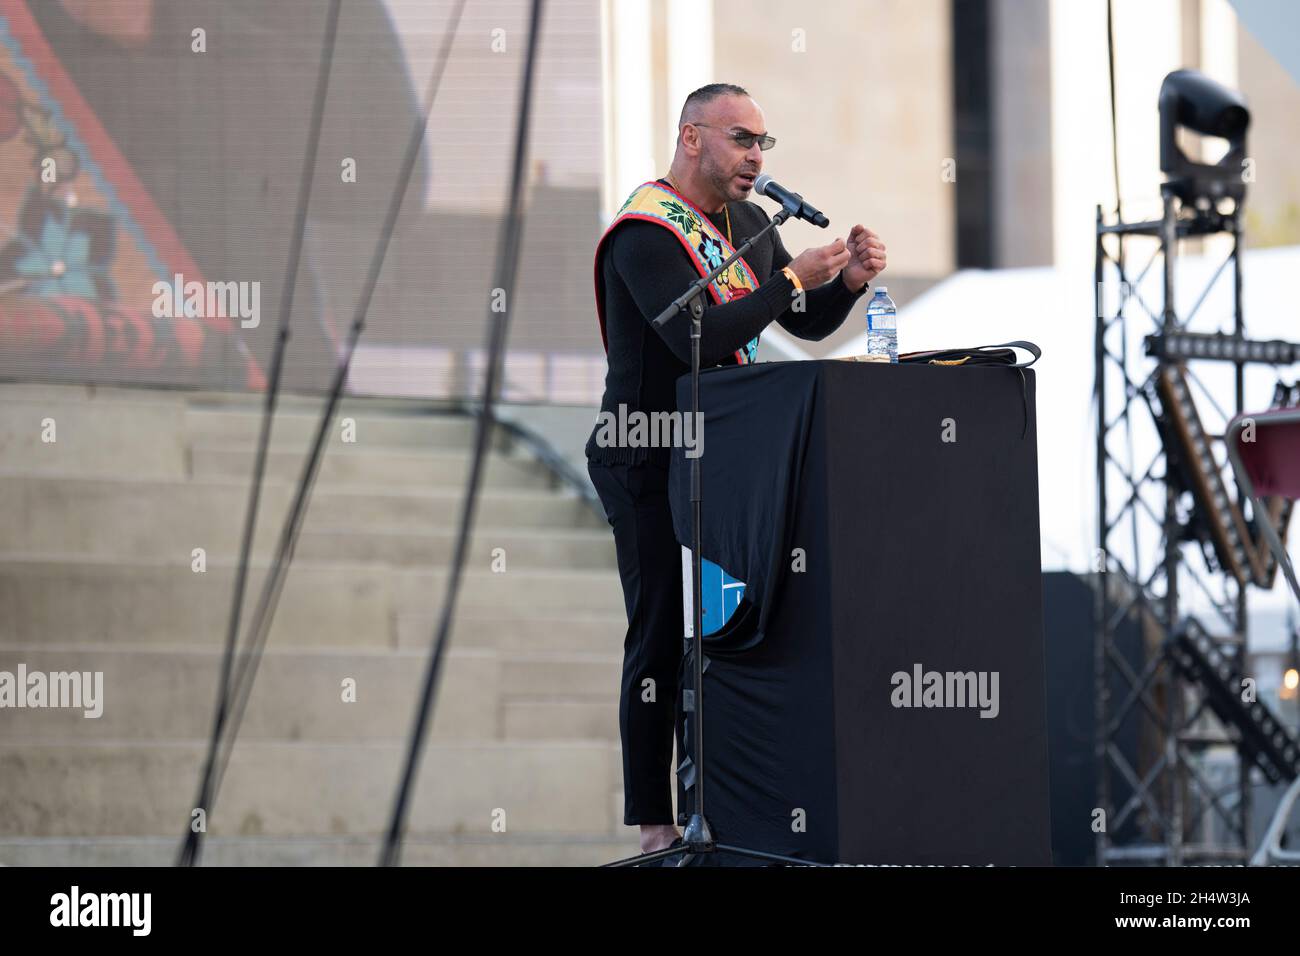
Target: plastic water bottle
x: 882, y: 325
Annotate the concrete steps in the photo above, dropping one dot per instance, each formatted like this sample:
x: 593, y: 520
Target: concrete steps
x: 295, y: 427
x: 497, y: 849
x: 593, y: 633
x: 72, y: 598
x: 298, y: 788
x: 97, y: 533
x: 369, y: 465
x: 513, y: 549
x: 122, y: 517
x: 167, y: 692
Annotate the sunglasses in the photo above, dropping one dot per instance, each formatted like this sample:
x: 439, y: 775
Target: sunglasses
x: 746, y: 138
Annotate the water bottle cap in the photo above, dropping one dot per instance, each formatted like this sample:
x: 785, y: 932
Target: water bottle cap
x: 881, y: 289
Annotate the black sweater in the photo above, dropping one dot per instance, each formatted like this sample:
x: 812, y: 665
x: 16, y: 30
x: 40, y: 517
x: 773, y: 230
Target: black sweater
x: 645, y: 268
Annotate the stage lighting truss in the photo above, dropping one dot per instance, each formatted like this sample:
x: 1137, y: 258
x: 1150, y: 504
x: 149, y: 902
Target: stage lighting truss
x: 1141, y: 529
x: 1149, y: 511
x: 1181, y: 346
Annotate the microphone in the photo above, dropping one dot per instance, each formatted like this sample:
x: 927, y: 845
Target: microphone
x: 792, y: 202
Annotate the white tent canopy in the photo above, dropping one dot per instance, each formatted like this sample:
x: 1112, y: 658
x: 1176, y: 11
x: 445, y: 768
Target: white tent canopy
x: 1054, y: 309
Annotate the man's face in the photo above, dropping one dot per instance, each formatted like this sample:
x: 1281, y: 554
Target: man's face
x: 726, y: 165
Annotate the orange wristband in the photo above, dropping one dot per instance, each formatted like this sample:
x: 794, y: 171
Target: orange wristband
x: 789, y: 274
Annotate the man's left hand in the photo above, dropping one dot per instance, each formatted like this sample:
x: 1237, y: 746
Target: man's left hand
x: 868, y: 260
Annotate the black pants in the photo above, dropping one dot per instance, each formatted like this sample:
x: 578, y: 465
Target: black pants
x: 635, y: 498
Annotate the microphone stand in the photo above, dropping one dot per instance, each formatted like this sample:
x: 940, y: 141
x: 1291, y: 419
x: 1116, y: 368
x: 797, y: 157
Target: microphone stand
x: 697, y: 838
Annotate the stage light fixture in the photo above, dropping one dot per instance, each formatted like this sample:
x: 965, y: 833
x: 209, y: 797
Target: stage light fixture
x: 1190, y: 99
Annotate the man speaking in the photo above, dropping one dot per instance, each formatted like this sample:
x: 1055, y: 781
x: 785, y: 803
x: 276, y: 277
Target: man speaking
x: 666, y: 235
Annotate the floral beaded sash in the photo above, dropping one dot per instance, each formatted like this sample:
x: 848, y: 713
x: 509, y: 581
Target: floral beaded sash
x: 704, y: 244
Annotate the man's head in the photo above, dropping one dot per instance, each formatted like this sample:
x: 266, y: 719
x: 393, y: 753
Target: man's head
x: 707, y: 147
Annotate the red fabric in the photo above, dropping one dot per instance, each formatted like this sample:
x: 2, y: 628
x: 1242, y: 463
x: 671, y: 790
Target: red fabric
x: 135, y: 339
x: 1272, y: 460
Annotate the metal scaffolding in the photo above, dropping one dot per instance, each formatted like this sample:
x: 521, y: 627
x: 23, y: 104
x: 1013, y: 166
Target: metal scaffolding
x: 1158, y: 745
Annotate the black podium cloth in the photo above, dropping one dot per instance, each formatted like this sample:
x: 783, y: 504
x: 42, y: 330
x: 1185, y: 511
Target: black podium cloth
x: 884, y: 519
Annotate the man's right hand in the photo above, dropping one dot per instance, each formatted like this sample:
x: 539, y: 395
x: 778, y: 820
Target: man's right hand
x: 819, y: 265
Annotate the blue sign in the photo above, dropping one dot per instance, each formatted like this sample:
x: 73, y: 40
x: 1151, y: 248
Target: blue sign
x: 721, y: 594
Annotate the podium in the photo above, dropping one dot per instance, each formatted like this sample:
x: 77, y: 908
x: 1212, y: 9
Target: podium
x: 877, y: 697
